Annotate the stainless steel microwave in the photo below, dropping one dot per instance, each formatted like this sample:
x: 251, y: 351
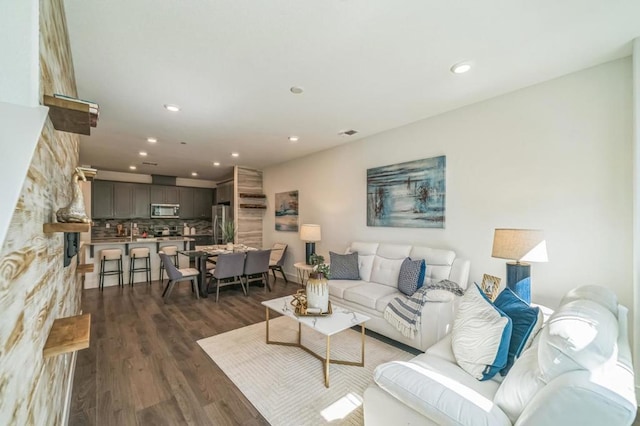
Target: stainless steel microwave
x: 167, y: 211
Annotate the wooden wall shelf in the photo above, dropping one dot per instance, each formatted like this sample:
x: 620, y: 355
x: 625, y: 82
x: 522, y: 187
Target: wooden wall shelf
x: 253, y: 206
x: 65, y: 227
x: 69, y: 116
x: 84, y: 268
x: 249, y: 195
x: 68, y: 335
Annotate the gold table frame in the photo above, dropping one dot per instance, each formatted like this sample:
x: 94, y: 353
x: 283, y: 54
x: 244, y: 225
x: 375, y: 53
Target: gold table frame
x: 325, y: 360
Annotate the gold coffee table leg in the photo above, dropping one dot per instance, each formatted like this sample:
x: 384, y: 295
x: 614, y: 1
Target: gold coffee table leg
x: 327, y: 360
x: 267, y: 322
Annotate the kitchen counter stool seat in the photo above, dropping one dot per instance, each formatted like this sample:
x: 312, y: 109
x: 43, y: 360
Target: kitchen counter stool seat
x: 172, y: 252
x: 108, y: 256
x: 140, y: 254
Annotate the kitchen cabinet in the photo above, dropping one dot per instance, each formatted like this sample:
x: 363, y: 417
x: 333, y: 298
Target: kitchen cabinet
x: 202, y: 202
x: 225, y: 193
x: 101, y: 199
x: 186, y: 202
x: 122, y: 200
x: 141, y: 201
x: 161, y: 194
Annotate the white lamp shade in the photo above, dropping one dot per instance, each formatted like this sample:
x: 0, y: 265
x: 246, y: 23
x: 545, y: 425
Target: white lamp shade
x: 527, y: 245
x: 310, y: 232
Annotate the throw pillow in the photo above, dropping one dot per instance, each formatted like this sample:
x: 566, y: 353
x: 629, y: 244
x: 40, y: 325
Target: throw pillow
x: 525, y: 320
x: 344, y: 266
x: 411, y: 276
x: 480, y: 336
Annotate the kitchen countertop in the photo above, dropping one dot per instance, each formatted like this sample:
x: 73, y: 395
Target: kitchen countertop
x: 137, y: 240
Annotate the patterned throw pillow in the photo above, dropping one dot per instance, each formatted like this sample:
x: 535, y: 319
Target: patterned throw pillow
x: 344, y: 266
x: 411, y: 275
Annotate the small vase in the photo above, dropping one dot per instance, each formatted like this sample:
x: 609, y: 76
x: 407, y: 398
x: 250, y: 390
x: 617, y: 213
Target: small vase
x: 230, y: 246
x: 318, y: 292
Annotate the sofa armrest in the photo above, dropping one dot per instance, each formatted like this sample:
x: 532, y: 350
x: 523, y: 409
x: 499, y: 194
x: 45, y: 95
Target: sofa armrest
x: 460, y: 272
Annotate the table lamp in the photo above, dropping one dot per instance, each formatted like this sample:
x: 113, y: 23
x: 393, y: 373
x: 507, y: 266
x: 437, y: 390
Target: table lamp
x: 310, y: 233
x: 521, y: 245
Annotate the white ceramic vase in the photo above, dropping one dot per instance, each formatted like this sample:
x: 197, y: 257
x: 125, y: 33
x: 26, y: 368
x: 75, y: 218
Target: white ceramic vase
x: 318, y: 292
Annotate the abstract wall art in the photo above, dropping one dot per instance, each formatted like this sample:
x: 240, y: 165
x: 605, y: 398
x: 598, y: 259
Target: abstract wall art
x: 287, y: 211
x: 407, y: 195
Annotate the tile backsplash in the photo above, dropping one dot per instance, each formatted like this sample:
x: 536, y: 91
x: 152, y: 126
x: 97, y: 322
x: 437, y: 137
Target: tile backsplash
x: 99, y: 228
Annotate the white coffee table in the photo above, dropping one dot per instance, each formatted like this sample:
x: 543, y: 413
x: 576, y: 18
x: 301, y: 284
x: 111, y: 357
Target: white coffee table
x: 341, y: 319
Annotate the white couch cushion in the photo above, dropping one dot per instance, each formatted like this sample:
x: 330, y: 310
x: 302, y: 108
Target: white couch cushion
x: 394, y: 251
x: 338, y: 287
x: 438, y: 262
x: 368, y: 294
x: 365, y: 264
x: 385, y: 271
x: 441, y: 391
x: 480, y: 336
x: 579, y: 335
x: 604, y: 296
x: 363, y: 248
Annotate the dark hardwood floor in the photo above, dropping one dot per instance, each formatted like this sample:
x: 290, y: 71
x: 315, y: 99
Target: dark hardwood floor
x: 144, y: 366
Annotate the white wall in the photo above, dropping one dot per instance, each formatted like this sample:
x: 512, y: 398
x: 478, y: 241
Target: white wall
x: 555, y: 156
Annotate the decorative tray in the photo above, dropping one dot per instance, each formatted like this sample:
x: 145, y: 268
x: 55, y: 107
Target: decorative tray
x: 299, y: 302
x: 322, y: 314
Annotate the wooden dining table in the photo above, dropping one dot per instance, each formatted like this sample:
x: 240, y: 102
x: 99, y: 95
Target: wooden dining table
x: 203, y: 255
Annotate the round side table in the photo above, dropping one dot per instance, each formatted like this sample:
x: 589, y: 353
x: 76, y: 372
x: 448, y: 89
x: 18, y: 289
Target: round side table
x: 303, y: 271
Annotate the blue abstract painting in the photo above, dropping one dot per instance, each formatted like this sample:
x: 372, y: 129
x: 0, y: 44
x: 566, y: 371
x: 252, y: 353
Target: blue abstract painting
x: 407, y: 195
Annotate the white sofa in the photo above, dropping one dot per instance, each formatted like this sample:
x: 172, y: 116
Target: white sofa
x: 577, y: 372
x: 379, y: 266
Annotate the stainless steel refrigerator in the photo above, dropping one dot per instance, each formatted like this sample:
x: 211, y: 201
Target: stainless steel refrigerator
x: 221, y: 215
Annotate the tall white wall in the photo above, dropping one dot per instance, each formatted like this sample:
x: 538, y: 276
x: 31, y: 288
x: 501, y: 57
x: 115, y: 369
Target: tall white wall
x: 555, y: 156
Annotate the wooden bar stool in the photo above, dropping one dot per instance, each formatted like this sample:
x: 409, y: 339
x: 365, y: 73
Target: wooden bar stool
x: 172, y: 253
x: 111, y: 255
x: 137, y: 254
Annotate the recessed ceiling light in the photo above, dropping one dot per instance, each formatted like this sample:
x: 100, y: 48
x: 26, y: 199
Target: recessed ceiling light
x: 132, y: 167
x: 152, y: 140
x: 296, y: 90
x: 293, y: 139
x: 194, y: 173
x: 183, y: 143
x: 172, y: 108
x: 235, y: 154
x: 349, y: 132
x: 215, y: 163
x: 143, y: 154
x: 461, y: 67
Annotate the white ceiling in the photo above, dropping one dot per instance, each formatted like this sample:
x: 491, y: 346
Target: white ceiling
x: 369, y: 65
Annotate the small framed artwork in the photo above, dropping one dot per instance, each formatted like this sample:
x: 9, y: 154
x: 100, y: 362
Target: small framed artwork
x: 490, y: 285
x: 287, y: 211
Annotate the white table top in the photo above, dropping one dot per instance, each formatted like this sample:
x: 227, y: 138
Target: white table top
x: 340, y: 320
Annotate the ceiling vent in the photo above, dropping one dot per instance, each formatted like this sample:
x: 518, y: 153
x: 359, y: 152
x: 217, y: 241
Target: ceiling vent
x: 163, y: 180
x: 350, y: 132
x: 149, y: 163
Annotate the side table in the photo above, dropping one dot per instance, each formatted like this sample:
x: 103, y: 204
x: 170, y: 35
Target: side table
x: 303, y: 271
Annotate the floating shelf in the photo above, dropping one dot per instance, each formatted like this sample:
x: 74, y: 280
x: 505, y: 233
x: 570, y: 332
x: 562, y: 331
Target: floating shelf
x: 69, y: 116
x: 68, y: 335
x: 248, y: 195
x: 253, y: 206
x: 65, y: 227
x: 84, y: 268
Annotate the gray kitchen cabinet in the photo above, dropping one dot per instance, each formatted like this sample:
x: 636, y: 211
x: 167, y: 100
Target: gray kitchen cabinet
x: 225, y: 193
x: 202, y: 202
x: 122, y: 200
x: 141, y: 201
x: 186, y: 202
x: 101, y: 199
x: 161, y: 194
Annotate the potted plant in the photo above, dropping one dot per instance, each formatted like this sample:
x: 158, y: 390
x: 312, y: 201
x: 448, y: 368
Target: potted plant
x: 228, y: 231
x: 317, y: 286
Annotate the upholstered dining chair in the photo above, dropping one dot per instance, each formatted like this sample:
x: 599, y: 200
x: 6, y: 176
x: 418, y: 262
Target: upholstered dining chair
x: 177, y: 275
x: 276, y: 260
x: 228, y: 270
x: 256, y: 268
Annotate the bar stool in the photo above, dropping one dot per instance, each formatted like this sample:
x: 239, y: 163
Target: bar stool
x: 140, y: 253
x: 111, y: 255
x: 172, y: 252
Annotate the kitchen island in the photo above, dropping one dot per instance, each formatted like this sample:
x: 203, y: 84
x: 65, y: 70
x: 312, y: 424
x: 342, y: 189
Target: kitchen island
x: 92, y: 252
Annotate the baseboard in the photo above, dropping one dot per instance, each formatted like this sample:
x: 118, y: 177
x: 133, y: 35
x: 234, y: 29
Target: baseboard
x: 69, y: 390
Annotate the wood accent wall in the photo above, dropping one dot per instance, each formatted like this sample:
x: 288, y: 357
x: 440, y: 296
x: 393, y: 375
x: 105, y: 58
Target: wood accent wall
x: 35, y: 289
x: 248, y: 221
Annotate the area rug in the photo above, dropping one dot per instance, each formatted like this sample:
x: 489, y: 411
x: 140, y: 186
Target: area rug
x: 286, y: 384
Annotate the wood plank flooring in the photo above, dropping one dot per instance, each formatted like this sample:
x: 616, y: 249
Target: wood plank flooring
x: 144, y: 367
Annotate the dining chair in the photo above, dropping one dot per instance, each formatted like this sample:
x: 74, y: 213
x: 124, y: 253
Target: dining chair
x: 256, y: 268
x: 276, y: 260
x: 228, y: 270
x: 176, y: 275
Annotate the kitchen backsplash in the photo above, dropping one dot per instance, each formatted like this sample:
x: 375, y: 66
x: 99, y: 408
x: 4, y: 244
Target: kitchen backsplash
x: 100, y: 230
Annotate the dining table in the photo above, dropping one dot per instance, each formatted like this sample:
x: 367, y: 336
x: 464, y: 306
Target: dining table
x: 205, y: 254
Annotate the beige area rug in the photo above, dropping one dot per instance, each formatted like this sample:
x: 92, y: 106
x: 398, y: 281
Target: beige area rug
x: 286, y: 384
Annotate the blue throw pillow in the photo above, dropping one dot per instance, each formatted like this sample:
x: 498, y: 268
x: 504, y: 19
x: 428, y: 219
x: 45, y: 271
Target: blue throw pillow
x: 344, y: 266
x: 411, y: 276
x: 524, y: 319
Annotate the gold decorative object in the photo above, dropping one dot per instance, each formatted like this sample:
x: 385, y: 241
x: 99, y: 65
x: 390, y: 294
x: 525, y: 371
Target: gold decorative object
x: 490, y: 286
x: 299, y: 302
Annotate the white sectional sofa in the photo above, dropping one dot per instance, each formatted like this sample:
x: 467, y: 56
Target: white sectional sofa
x: 578, y: 371
x: 379, y: 266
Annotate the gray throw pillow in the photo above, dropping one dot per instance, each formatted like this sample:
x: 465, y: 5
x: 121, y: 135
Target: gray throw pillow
x: 411, y: 275
x: 344, y: 266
